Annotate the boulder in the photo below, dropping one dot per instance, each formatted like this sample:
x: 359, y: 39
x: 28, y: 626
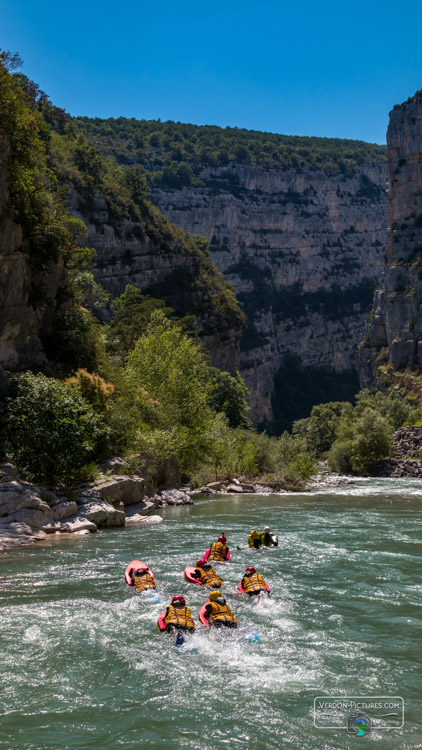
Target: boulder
x: 237, y: 488
x: 52, y: 527
x: 144, y: 520
x: 78, y: 524
x: 8, y: 471
x: 262, y: 489
x: 248, y: 487
x: 215, y: 486
x: 14, y: 497
x: 34, y: 518
x: 63, y: 510
x: 118, y: 505
x: 102, y: 514
x: 174, y: 497
x: 141, y: 509
x: 114, y: 465
x: 128, y: 489
x: 16, y: 534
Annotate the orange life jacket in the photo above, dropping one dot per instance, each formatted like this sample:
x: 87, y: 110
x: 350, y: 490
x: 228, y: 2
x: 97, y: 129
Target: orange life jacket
x: 143, y: 581
x: 254, y: 582
x: 221, y: 612
x: 180, y: 617
x: 218, y: 552
x: 210, y: 577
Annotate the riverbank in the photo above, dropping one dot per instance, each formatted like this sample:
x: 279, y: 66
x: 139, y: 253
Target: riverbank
x: 32, y: 514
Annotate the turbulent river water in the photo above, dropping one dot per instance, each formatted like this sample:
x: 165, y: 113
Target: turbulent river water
x: 84, y: 666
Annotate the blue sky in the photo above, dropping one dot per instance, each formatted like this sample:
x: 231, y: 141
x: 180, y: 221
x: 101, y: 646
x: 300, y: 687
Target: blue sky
x: 301, y: 68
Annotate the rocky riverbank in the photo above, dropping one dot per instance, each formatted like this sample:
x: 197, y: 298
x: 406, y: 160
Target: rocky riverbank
x: 319, y: 481
x: 405, y: 460
x: 29, y: 513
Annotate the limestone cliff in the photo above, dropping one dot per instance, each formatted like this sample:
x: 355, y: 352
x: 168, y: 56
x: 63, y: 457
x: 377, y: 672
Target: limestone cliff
x: 394, y: 335
x: 303, y: 251
x: 164, y: 262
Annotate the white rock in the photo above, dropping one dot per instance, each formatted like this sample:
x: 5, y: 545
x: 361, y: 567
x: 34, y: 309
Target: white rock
x: 129, y: 490
x: 140, y: 509
x: 78, y: 524
x: 102, y: 514
x: 144, y: 520
x: 63, y: 510
x: 215, y: 485
x: 175, y: 497
x: 15, y: 499
x: 31, y: 516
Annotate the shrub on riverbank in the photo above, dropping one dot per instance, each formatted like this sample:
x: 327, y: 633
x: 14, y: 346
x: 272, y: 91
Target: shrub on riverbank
x: 51, y: 432
x: 363, y: 433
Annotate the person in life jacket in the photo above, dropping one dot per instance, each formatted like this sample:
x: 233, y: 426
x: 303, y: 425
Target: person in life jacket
x: 207, y: 575
x: 178, y: 617
x: 142, y: 579
x: 268, y: 539
x: 218, y: 612
x: 254, y: 539
x: 253, y: 582
x: 218, y: 550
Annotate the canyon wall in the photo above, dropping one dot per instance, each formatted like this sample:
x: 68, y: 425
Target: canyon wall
x: 163, y: 262
x: 27, y: 296
x: 303, y: 251
x: 394, y: 334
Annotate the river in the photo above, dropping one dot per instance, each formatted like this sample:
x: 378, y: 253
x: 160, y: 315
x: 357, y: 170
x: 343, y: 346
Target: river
x: 84, y: 666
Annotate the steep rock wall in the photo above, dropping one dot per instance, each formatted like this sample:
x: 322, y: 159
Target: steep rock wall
x: 23, y: 314
x: 394, y: 332
x: 303, y: 251
x: 160, y: 264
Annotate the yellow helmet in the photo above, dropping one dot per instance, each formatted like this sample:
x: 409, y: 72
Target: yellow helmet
x: 215, y: 595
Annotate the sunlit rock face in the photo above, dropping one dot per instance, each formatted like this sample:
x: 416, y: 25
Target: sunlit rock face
x: 303, y: 251
x: 395, y: 329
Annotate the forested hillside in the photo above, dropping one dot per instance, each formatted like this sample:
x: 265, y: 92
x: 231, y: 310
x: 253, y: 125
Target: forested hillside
x: 186, y: 148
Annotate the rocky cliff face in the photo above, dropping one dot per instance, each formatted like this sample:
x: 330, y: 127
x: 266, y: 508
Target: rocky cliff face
x: 395, y: 330
x: 303, y: 251
x: 23, y: 314
x: 156, y: 258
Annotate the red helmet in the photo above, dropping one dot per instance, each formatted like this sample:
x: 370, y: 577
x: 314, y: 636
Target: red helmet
x: 200, y: 563
x: 179, y: 598
x: 222, y: 538
x: 250, y: 570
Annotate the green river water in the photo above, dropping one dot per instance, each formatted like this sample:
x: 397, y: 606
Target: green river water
x: 84, y: 666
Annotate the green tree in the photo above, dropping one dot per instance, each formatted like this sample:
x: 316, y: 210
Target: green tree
x: 391, y: 405
x: 51, y: 432
x: 292, y: 457
x: 364, y: 437
x: 131, y: 314
x: 169, y: 367
x: 320, y: 428
x: 229, y: 396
